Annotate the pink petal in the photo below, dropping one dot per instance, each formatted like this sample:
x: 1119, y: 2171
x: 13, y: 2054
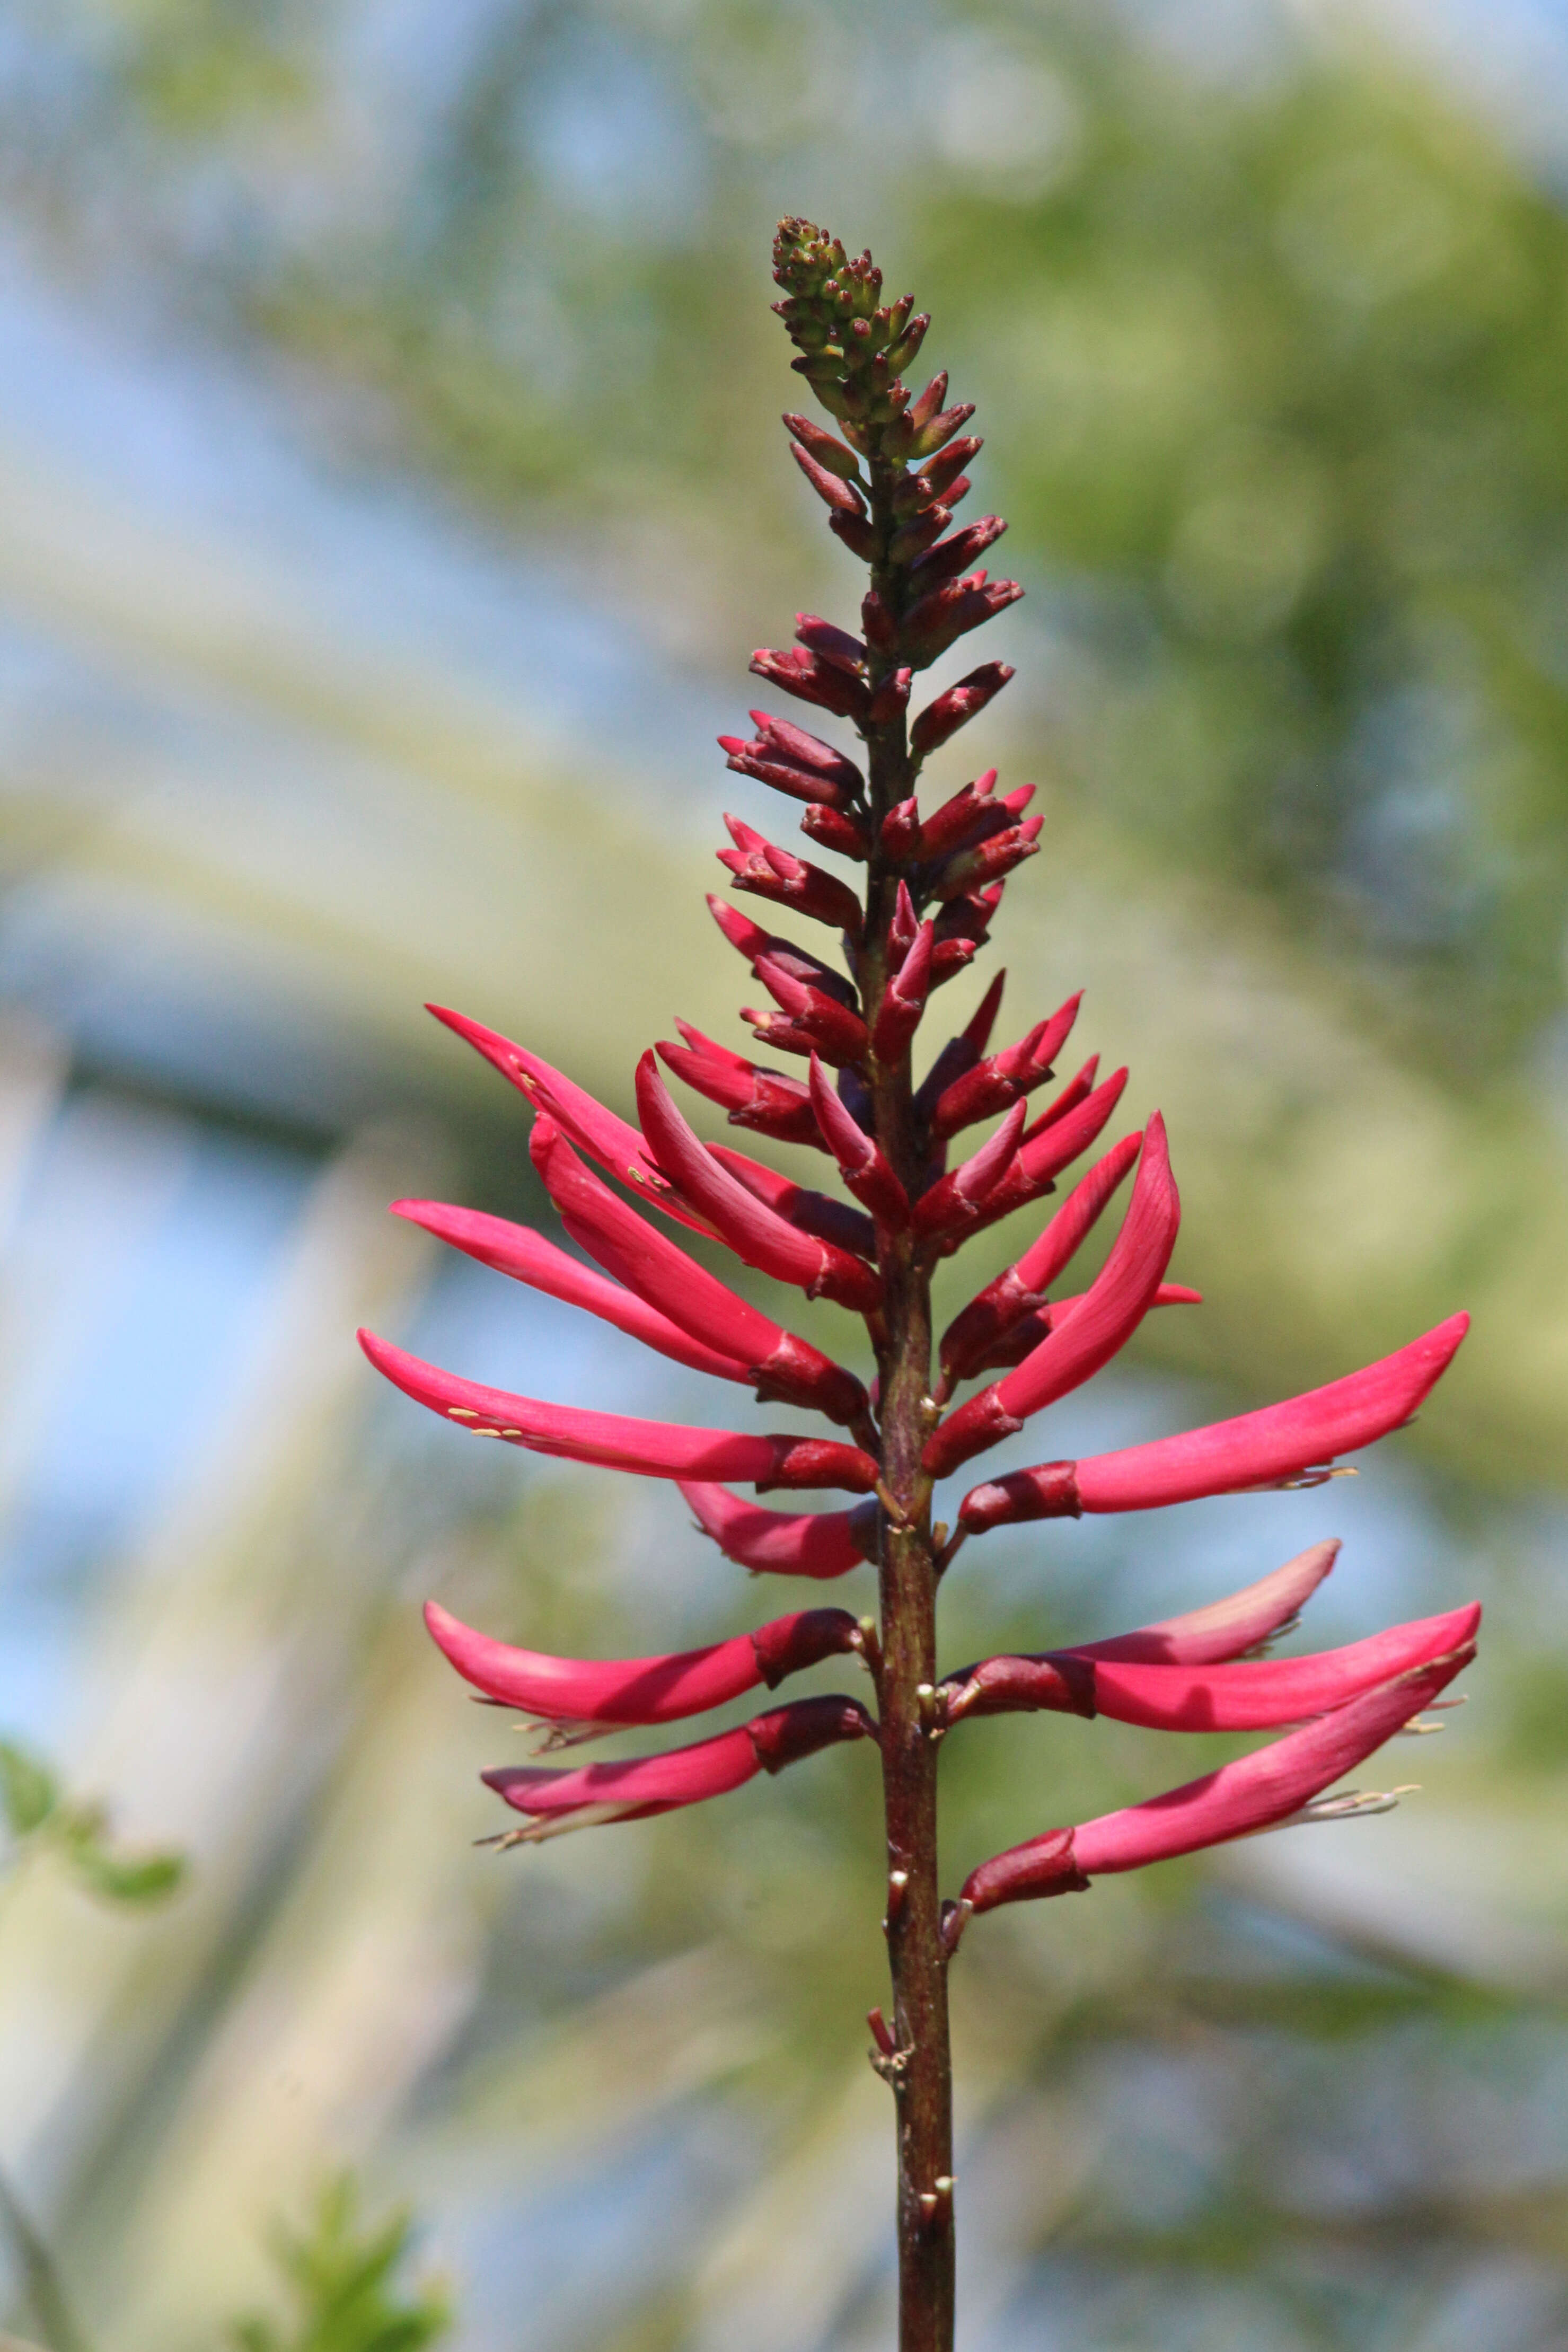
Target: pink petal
x: 528, y: 1257
x: 1255, y: 1694
x: 639, y: 1690
x: 686, y: 1775
x: 1257, y: 1449
x: 599, y: 1133
x: 685, y: 1294
x: 1254, y: 1793
x: 1225, y: 1628
x: 752, y: 1229
x: 1100, y: 1324
x: 653, y: 1449
x: 783, y: 1543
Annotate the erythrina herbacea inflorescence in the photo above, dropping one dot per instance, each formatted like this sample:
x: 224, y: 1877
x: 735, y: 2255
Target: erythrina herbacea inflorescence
x: 891, y: 470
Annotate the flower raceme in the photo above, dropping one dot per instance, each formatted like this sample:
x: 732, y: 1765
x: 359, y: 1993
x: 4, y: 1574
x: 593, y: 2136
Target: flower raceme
x: 646, y: 1206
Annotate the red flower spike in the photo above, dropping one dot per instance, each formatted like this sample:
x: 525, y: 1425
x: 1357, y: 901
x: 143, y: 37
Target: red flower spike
x: 1096, y: 1329
x: 602, y: 1694
x: 865, y: 1170
x: 822, y: 1213
x: 1262, y: 1791
x: 996, y: 1084
x: 596, y: 1131
x: 821, y: 1020
x: 819, y: 1544
x: 589, y: 1794
x: 904, y: 1000
x: 1276, y: 1446
x: 751, y: 1230
x: 765, y: 1101
x: 955, y: 1201
x: 820, y: 443
x: 762, y: 867
x: 1231, y: 1628
x: 810, y: 678
x: 527, y: 1257
x: 653, y: 1449
x: 836, y: 493
x: 786, y: 1369
x: 948, y: 558
x: 954, y: 708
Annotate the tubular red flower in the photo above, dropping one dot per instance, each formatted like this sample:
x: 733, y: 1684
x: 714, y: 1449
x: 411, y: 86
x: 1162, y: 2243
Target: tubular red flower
x: 905, y: 999
x: 956, y: 1201
x: 759, y: 865
x: 973, y: 1333
x: 1270, y: 1448
x: 1249, y: 1694
x: 758, y: 946
x: 1100, y: 1326
x: 834, y: 1031
x: 1058, y: 1142
x: 588, y: 1795
x: 1001, y: 1081
x: 1257, y: 1694
x: 1227, y: 1627
x: 596, y: 1131
x: 605, y: 1692
x: 811, y: 678
x: 1030, y: 1330
x: 653, y: 1449
x: 1257, y: 1792
x: 527, y: 1257
x: 864, y: 1170
x: 951, y: 709
x: 765, y: 1101
x: 822, y: 1213
x: 752, y: 1229
x: 786, y: 1369
x: 819, y: 1544
x: 949, y: 556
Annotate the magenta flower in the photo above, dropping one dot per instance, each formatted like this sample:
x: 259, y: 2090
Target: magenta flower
x: 1272, y: 1786
x: 583, y: 1796
x: 591, y: 1695
x: 923, y: 889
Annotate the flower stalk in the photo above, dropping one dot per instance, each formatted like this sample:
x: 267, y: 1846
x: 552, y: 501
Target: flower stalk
x: 923, y: 889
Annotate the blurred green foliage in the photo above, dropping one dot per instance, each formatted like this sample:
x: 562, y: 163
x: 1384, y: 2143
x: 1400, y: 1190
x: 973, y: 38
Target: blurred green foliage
x: 40, y: 1819
x: 341, y: 2275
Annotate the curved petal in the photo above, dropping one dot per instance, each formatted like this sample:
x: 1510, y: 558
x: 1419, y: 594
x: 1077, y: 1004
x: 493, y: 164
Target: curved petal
x: 653, y: 1449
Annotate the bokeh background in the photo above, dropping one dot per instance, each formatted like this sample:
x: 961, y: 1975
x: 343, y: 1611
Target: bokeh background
x: 389, y: 492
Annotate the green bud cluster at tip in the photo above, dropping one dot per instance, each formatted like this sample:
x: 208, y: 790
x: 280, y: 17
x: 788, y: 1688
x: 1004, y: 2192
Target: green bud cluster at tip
x: 852, y: 345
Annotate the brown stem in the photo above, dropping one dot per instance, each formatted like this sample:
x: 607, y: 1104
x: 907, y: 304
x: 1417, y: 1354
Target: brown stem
x: 920, y: 2071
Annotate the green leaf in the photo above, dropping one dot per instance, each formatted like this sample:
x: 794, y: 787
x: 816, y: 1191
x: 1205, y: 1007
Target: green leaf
x: 28, y: 1793
x: 125, y: 1878
x: 344, y: 2288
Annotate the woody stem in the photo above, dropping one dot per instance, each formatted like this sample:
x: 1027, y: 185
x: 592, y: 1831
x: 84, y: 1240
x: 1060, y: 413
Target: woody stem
x: 922, y: 2070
